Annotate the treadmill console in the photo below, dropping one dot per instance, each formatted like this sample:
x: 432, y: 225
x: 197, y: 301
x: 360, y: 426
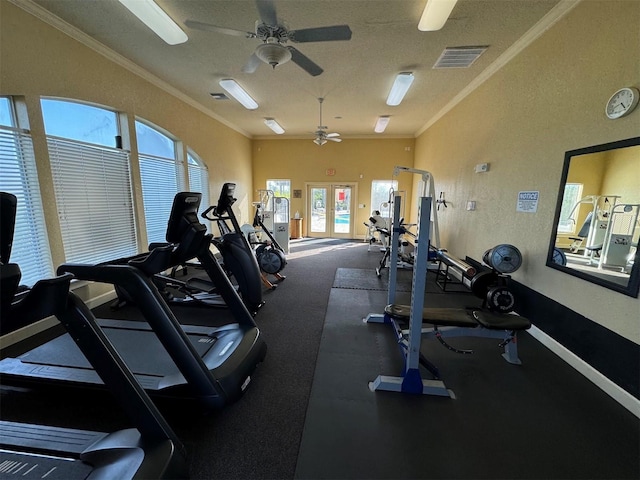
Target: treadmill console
x: 226, y: 198
x: 184, y: 213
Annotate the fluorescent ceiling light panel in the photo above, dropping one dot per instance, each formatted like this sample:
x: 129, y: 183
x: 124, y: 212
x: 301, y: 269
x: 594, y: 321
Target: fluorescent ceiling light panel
x: 157, y: 20
x: 435, y: 14
x: 273, y: 125
x: 399, y: 88
x: 237, y: 92
x: 381, y: 124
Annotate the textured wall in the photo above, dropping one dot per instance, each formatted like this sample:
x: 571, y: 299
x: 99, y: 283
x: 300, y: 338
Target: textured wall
x: 549, y: 99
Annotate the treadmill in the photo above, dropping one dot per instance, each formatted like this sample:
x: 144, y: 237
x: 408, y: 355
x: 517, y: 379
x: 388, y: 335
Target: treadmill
x: 150, y: 450
x: 207, y: 364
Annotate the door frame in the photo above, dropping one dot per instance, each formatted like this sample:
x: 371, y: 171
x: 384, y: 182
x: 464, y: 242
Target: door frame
x: 330, y: 186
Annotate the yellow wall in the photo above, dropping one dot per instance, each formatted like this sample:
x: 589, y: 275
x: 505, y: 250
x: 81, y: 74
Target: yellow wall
x: 303, y: 161
x: 549, y: 99
x: 623, y: 175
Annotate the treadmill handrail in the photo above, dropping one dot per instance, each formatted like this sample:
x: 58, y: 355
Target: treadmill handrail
x: 162, y: 321
x: 112, y: 369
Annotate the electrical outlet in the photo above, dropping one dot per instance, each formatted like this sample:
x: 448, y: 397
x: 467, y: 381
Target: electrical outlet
x: 482, y: 167
x: 471, y: 205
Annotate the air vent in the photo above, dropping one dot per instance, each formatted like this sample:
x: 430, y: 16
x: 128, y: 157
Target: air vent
x: 459, y: 57
x: 219, y: 96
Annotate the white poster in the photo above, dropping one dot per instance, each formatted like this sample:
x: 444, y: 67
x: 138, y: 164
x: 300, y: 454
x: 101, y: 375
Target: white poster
x: 527, y: 202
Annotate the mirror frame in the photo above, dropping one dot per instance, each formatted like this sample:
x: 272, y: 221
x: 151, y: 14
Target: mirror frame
x: 633, y: 285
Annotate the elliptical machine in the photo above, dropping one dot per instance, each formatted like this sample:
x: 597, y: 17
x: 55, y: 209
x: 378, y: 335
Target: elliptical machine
x: 237, y: 255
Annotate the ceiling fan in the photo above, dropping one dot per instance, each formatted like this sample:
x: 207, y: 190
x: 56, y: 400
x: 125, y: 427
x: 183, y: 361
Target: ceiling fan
x: 321, y: 134
x: 274, y: 36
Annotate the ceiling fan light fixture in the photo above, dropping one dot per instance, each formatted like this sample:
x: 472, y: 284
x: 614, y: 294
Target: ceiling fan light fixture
x: 435, y: 15
x: 381, y: 124
x: 236, y: 91
x: 400, y: 88
x: 272, y: 53
x: 319, y: 141
x: 149, y: 13
x: 273, y: 125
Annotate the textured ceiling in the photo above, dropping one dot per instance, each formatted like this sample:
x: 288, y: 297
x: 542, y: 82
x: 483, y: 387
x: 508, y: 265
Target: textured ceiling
x: 357, y: 73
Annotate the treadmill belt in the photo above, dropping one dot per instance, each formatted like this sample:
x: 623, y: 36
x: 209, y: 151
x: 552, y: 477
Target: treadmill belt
x: 19, y: 465
x: 141, y: 350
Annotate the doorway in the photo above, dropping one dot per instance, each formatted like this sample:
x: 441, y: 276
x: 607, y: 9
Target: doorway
x: 330, y: 210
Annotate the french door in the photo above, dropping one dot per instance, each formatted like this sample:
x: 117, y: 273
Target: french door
x: 330, y: 211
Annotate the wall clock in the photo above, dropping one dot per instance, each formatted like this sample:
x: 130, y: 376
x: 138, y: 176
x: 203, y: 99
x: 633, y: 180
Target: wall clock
x: 622, y: 102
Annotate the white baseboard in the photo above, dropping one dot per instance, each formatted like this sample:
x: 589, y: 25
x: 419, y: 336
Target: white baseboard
x: 620, y: 395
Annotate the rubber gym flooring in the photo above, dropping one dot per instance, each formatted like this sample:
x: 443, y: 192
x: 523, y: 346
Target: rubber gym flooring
x: 539, y: 420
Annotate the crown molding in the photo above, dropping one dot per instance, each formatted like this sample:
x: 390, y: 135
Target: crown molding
x: 545, y: 23
x: 78, y: 35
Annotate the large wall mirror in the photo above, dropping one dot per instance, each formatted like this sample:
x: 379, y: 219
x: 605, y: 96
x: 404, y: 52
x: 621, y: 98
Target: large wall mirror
x: 597, y: 222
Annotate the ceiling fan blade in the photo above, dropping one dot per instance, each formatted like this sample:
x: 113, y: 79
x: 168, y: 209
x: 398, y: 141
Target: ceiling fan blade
x: 252, y: 64
x: 329, y: 135
x: 207, y: 27
x: 304, y: 62
x: 334, y: 139
x: 321, y: 34
x: 267, y: 12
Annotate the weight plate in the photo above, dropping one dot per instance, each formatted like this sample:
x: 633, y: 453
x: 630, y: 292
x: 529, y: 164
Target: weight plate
x: 482, y: 282
x: 503, y: 258
x: 500, y: 299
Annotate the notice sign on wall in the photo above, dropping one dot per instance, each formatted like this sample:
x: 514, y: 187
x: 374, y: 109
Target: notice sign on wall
x: 527, y: 202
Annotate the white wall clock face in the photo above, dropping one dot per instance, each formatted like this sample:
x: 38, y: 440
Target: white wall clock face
x: 622, y: 102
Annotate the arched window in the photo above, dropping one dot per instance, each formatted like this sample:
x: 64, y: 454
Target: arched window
x: 162, y: 175
x: 198, y: 178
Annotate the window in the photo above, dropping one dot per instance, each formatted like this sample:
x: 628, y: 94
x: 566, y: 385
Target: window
x: 567, y: 222
x: 19, y: 176
x: 280, y: 188
x: 91, y: 180
x: 162, y: 176
x: 380, y: 190
x: 198, y: 178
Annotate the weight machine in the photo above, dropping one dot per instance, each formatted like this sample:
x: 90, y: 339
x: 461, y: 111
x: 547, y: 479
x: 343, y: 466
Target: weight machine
x: 407, y: 238
x: 446, y: 322
x: 595, y: 225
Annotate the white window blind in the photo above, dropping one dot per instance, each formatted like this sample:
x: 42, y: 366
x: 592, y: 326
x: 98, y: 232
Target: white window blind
x: 93, y: 193
x: 19, y: 177
x: 199, y: 179
x: 161, y: 178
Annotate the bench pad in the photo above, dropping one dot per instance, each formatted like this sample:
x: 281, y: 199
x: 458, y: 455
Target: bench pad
x: 444, y: 317
x: 501, y: 321
x: 459, y: 317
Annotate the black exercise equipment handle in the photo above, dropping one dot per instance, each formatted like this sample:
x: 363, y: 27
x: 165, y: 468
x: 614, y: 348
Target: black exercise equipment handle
x: 163, y: 322
x: 205, y: 214
x: 109, y: 365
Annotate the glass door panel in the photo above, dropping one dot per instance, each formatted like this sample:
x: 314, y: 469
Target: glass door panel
x: 342, y: 219
x: 318, y: 226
